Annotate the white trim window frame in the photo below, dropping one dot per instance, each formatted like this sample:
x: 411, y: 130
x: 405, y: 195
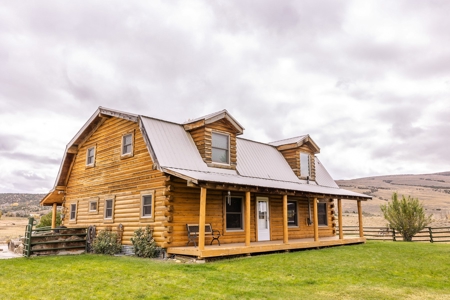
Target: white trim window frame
x: 73, y: 212
x: 292, y: 213
x: 221, y: 147
x: 147, y: 206
x: 305, y: 165
x: 126, y: 148
x: 90, y: 156
x: 234, y: 214
x: 109, y: 209
x: 93, y: 206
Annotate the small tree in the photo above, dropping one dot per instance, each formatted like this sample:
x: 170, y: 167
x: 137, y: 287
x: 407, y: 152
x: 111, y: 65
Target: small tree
x: 406, y: 216
x: 46, y: 220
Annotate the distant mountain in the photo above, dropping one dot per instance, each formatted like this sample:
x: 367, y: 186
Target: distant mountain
x: 21, y: 204
x: 432, y: 189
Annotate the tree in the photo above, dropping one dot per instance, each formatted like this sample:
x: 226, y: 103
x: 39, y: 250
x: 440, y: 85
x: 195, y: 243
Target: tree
x: 406, y: 216
x: 46, y: 220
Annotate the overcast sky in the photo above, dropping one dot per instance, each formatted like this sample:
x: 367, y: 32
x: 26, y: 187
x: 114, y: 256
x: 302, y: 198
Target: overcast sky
x: 368, y: 80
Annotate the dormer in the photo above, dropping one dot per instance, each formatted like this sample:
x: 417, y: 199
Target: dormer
x: 299, y: 152
x: 215, y: 138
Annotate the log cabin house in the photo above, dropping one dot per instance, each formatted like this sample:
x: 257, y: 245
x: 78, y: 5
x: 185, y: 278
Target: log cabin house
x: 134, y: 170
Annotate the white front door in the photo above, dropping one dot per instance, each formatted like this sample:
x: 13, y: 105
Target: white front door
x: 262, y: 215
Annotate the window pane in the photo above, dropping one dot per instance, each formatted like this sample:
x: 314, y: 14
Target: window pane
x: 322, y: 213
x: 219, y: 141
x: 219, y: 155
x: 147, y: 206
x: 73, y: 208
x: 292, y: 213
x: 234, y: 221
x: 236, y: 205
x: 304, y: 164
x: 93, y: 206
x: 126, y: 148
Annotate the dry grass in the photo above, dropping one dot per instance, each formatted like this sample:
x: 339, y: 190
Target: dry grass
x: 11, y: 228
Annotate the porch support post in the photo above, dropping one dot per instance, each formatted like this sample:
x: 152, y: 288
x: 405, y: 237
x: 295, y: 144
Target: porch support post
x: 360, y: 220
x: 247, y: 218
x: 341, y: 226
x: 54, y: 215
x: 201, y: 222
x: 285, y: 220
x: 316, y: 220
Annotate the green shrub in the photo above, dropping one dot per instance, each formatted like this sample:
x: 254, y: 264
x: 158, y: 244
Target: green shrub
x: 106, y: 243
x: 144, y: 244
x: 406, y: 216
x: 46, y: 220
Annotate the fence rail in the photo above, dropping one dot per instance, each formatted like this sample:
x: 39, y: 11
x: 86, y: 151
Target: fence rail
x: 428, y: 234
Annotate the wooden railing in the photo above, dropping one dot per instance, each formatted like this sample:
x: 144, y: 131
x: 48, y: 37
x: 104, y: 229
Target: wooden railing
x: 428, y: 234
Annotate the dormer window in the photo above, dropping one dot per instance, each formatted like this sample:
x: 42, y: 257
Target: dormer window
x: 305, y: 170
x: 220, y: 148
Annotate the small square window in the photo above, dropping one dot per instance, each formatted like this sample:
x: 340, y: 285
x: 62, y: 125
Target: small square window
x: 90, y: 156
x: 220, y: 148
x: 109, y: 208
x: 73, y: 212
x: 292, y: 213
x: 93, y: 206
x: 127, y: 144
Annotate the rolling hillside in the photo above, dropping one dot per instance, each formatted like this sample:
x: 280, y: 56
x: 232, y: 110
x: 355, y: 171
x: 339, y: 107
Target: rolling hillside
x: 433, y: 190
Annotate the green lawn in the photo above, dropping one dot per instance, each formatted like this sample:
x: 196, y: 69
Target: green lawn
x: 376, y: 270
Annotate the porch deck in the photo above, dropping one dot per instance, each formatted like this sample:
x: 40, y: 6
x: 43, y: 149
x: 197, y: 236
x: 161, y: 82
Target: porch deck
x: 260, y: 247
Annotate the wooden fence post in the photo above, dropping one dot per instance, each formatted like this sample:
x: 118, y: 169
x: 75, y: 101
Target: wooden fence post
x: 431, y: 234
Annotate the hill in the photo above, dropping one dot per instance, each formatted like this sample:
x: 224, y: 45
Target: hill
x: 21, y: 205
x: 433, y: 190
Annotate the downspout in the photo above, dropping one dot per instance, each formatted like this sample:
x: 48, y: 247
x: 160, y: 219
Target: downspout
x: 309, y: 219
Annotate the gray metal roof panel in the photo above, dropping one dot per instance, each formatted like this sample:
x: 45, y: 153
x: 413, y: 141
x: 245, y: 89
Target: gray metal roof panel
x: 262, y: 161
x: 288, y: 141
x: 323, y: 178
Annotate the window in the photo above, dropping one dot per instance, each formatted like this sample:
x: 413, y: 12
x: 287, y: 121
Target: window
x: 147, y: 206
x: 73, y: 212
x: 233, y: 208
x: 109, y: 208
x: 322, y: 213
x: 304, y: 165
x: 90, y: 156
x: 292, y: 213
x: 93, y: 204
x: 220, y: 148
x: 127, y: 144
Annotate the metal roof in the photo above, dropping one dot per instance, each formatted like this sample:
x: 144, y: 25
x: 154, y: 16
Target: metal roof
x: 258, y: 164
x: 288, y: 141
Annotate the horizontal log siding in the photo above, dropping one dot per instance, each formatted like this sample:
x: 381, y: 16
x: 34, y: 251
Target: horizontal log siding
x: 292, y: 157
x: 124, y: 179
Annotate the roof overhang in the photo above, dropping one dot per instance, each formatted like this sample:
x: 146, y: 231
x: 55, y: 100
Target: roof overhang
x: 223, y: 114
x: 56, y: 195
x: 303, y: 140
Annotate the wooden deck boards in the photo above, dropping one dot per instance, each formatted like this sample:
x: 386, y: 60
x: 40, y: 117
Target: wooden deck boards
x: 260, y: 247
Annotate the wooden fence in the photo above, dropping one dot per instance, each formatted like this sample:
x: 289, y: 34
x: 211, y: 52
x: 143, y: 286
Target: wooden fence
x: 428, y: 234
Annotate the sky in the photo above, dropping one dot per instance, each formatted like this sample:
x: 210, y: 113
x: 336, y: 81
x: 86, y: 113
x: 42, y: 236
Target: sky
x: 368, y: 80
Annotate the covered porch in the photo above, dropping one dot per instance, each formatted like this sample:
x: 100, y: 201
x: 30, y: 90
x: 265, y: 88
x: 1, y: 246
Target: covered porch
x: 261, y: 247
x: 282, y: 242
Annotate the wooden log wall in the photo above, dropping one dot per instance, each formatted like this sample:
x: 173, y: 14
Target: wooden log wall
x: 121, y: 179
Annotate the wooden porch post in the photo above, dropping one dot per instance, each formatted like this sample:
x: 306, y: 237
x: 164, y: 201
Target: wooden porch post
x: 360, y: 220
x: 54, y: 215
x: 201, y: 222
x: 247, y: 218
x: 285, y: 220
x: 316, y: 220
x: 341, y: 228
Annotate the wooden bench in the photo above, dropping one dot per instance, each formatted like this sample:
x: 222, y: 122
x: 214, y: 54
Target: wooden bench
x: 193, y: 232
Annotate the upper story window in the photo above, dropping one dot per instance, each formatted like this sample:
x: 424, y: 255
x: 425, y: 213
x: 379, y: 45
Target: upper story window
x: 220, y: 148
x: 127, y: 144
x: 90, y: 156
x: 305, y: 169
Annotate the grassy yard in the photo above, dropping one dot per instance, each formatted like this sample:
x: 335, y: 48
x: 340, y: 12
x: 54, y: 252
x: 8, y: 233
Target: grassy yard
x: 376, y: 270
